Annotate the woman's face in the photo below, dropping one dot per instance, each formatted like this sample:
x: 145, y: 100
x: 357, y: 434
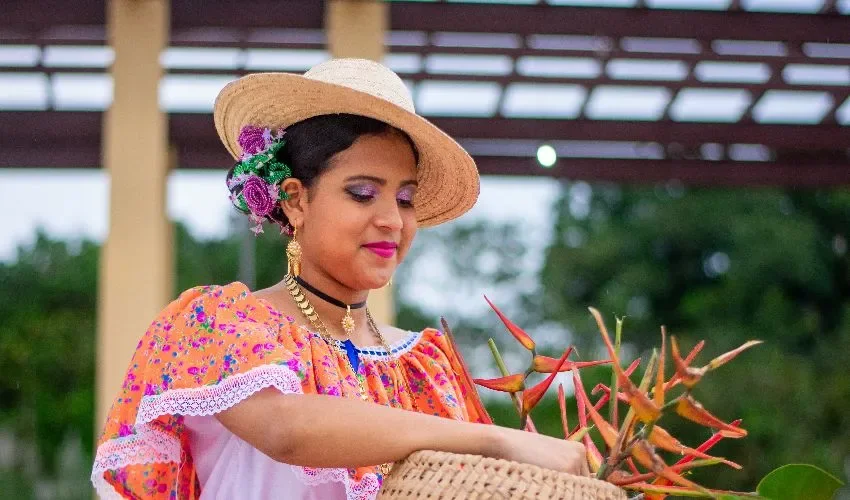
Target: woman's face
x: 358, y: 219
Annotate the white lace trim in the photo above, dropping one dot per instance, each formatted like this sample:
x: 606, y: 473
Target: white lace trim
x: 212, y: 399
x: 379, y: 353
x: 366, y: 489
x: 149, y: 445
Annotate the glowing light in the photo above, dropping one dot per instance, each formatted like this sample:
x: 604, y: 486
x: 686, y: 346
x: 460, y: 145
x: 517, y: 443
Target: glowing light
x: 546, y: 156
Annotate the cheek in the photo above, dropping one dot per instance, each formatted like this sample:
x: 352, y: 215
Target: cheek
x: 408, y: 232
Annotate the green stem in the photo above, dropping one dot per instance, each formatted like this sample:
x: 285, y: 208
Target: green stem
x: 503, y: 368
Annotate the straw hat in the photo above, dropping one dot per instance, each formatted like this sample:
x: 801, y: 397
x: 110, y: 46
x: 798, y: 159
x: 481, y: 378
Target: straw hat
x: 447, y: 175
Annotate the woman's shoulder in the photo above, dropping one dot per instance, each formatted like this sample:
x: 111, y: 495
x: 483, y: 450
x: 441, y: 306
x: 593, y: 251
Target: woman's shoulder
x: 215, y: 300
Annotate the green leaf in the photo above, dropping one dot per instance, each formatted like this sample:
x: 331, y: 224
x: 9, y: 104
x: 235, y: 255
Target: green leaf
x: 799, y: 482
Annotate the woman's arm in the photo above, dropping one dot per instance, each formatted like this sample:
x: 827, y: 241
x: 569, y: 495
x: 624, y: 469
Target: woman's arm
x: 325, y: 431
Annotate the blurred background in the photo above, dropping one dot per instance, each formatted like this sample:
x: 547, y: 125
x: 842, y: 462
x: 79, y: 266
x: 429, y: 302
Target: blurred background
x: 677, y: 162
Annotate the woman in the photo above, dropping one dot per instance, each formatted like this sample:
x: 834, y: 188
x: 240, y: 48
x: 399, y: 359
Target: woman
x: 294, y: 391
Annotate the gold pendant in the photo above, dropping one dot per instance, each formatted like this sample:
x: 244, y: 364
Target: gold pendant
x: 348, y: 322
x: 385, y: 469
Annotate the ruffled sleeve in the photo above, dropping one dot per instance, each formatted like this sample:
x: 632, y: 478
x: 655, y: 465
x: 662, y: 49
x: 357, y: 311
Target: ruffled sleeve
x: 208, y: 350
x: 440, y: 380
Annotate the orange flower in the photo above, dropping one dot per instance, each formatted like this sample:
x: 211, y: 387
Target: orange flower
x: 511, y: 383
x: 545, y: 364
x: 658, y: 396
x: 516, y: 331
x: 646, y: 456
x: 532, y: 396
x: 645, y: 409
x: 689, y: 408
x: 662, y: 439
x: 729, y: 356
x: 609, y: 433
x: 688, y: 375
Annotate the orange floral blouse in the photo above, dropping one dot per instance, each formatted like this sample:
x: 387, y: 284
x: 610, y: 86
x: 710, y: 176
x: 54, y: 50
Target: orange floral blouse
x: 215, y: 346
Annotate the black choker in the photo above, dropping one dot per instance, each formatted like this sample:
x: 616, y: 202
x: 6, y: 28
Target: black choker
x: 327, y: 298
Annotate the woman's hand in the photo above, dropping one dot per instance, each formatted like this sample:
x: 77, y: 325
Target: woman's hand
x: 541, y: 450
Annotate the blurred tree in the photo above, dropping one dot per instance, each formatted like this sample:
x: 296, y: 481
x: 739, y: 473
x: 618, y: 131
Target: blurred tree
x: 725, y: 266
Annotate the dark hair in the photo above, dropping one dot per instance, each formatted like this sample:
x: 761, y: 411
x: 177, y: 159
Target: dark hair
x: 311, y: 143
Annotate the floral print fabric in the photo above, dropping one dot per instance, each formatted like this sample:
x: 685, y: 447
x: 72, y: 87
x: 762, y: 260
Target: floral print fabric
x: 213, y: 347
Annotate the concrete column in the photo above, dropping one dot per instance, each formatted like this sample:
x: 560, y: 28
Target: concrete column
x: 356, y: 28
x: 136, y: 264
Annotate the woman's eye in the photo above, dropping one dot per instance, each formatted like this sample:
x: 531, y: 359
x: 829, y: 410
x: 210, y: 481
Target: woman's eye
x: 405, y: 198
x: 362, y: 194
x: 361, y: 197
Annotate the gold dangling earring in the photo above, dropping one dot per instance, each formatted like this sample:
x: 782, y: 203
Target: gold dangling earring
x: 390, y: 283
x: 293, y: 254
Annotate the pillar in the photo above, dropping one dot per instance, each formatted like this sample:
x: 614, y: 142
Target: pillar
x: 136, y: 264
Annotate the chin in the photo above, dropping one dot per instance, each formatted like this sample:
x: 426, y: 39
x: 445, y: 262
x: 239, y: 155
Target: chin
x: 373, y: 280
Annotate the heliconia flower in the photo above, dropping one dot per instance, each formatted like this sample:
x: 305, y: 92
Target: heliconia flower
x: 662, y: 439
x: 511, y: 383
x: 562, y: 404
x: 692, y: 410
x: 531, y: 397
x: 624, y: 479
x: 578, y: 434
x: 516, y: 331
x: 658, y: 394
x: 632, y: 367
x: 644, y: 408
x: 609, y: 433
x: 594, y: 458
x: 725, y: 358
x: 603, y: 400
x: 707, y: 445
x: 687, y: 374
x: 642, y: 452
x: 675, y: 380
x: 545, y: 364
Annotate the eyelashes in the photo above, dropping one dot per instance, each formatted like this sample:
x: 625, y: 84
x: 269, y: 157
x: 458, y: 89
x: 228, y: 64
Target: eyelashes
x: 366, y: 193
x: 362, y: 193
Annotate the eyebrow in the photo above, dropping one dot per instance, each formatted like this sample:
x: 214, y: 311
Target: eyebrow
x: 379, y: 180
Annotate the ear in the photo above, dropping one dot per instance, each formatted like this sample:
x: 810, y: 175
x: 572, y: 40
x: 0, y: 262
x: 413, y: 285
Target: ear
x: 296, y: 204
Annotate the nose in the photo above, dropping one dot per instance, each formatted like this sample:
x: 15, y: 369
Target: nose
x: 388, y: 216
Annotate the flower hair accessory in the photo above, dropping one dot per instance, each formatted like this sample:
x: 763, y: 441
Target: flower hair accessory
x: 255, y: 182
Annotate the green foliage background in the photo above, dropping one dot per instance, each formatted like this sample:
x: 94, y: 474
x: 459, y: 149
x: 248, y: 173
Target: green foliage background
x: 720, y: 265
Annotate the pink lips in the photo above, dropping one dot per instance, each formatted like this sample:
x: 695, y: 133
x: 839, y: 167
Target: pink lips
x: 385, y: 249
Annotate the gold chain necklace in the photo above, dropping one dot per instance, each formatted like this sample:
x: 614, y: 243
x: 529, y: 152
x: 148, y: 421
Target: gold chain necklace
x: 310, y: 313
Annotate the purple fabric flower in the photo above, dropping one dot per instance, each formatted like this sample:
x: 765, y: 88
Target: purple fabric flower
x: 252, y: 140
x: 125, y: 430
x: 294, y: 365
x: 258, y: 196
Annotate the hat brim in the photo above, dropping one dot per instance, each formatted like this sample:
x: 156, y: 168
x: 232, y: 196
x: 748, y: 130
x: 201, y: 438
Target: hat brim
x: 447, y: 175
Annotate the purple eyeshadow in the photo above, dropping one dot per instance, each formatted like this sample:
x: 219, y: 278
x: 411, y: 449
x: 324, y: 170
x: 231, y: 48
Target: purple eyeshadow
x: 405, y: 194
x: 363, y: 190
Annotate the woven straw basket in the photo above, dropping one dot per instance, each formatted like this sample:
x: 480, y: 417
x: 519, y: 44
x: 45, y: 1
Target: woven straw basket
x: 431, y: 474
